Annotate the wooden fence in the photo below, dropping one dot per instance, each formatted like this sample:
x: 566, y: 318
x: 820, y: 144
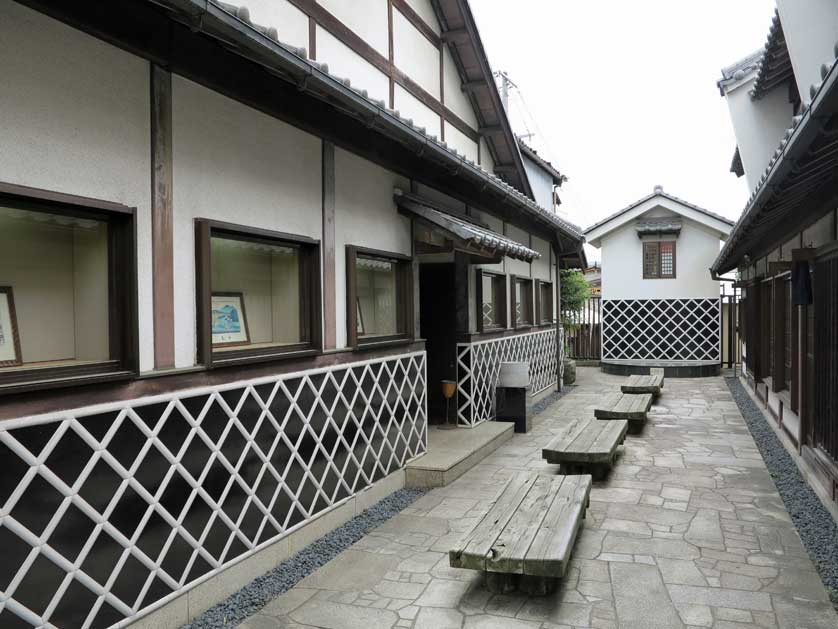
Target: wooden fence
x: 583, y: 330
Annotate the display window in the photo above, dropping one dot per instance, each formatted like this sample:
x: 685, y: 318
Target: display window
x: 523, y: 302
x: 379, y: 297
x: 259, y: 294
x: 67, y: 285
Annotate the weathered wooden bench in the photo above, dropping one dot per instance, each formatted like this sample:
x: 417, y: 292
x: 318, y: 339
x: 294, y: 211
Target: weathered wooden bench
x: 525, y: 540
x: 628, y: 406
x: 644, y: 384
x: 586, y: 447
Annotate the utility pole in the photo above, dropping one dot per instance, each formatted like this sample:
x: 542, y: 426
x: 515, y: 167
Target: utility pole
x: 505, y: 84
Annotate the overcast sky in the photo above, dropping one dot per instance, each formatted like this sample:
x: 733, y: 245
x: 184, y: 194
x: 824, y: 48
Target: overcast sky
x: 624, y: 93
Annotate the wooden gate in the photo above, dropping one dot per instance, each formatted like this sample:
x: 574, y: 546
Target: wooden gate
x: 583, y: 330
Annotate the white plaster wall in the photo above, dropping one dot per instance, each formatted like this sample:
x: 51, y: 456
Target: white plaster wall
x: 811, y: 30
x: 422, y: 116
x: 517, y: 267
x: 455, y: 99
x: 424, y: 9
x: 368, y: 18
x: 455, y: 139
x: 234, y: 164
x: 77, y: 121
x: 365, y: 216
x: 541, y: 183
x: 346, y: 64
x: 486, y: 161
x: 414, y: 55
x: 496, y: 225
x: 759, y: 126
x: 622, y: 266
x: 290, y: 23
x: 541, y: 266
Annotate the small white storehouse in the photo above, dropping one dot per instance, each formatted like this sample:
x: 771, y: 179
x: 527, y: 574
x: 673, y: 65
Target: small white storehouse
x: 661, y: 307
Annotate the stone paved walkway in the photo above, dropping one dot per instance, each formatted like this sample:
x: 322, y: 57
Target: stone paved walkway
x: 688, y: 530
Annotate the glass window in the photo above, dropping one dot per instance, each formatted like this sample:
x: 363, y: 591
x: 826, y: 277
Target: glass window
x: 523, y: 302
x: 61, y: 313
x: 545, y: 302
x: 376, y: 299
x: 492, y: 300
x: 53, y: 290
x: 256, y: 297
x: 379, y: 297
x: 659, y: 260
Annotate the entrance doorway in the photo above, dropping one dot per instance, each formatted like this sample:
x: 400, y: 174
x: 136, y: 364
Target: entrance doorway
x: 438, y: 326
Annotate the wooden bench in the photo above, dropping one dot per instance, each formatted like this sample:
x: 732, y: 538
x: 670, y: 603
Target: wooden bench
x: 628, y: 406
x: 644, y: 384
x: 525, y: 540
x: 586, y: 447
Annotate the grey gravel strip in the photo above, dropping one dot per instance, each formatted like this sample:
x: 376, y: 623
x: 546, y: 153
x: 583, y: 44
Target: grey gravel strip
x: 816, y: 526
x: 538, y: 407
x: 262, y: 590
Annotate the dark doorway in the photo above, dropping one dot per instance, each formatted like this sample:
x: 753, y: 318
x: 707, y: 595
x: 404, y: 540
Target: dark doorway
x: 438, y: 327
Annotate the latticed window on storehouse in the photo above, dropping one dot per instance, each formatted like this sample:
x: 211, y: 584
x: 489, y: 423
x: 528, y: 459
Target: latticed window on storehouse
x: 658, y: 260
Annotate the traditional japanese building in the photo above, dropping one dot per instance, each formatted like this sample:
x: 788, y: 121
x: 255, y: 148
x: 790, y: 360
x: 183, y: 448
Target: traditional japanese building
x: 660, y: 309
x: 241, y: 246
x: 783, y: 102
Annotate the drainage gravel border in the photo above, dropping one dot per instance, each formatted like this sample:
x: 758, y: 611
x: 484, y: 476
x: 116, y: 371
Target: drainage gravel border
x: 815, y: 524
x: 262, y: 590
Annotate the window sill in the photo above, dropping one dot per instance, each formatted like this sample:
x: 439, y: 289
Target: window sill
x: 226, y: 359
x: 386, y: 342
x: 65, y: 380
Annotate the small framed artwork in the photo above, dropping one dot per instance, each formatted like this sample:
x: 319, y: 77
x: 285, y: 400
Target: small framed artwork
x: 229, y: 320
x: 10, y: 355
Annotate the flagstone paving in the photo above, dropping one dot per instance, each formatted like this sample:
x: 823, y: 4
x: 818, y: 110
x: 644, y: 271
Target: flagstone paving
x: 687, y: 531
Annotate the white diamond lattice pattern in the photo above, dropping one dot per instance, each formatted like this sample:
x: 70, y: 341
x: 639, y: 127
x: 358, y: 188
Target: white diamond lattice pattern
x: 478, y: 365
x: 107, y: 510
x: 661, y: 329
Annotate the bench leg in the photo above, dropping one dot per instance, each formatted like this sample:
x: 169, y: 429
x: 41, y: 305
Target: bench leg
x: 502, y: 583
x: 635, y: 427
x: 538, y: 586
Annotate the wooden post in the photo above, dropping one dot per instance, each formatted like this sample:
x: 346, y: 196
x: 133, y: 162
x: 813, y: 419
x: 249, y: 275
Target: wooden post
x: 461, y: 271
x: 162, y: 239
x: 329, y: 285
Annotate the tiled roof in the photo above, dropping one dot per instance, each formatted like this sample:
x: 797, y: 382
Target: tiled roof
x: 468, y: 231
x: 458, y: 160
x: 739, y: 70
x: 659, y: 193
x: 805, y: 129
x: 774, y: 67
x: 658, y: 226
x: 532, y: 154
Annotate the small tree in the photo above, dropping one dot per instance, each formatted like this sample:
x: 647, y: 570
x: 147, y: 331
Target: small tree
x: 574, y: 292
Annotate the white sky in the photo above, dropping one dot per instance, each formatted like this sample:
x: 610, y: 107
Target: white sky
x: 624, y: 94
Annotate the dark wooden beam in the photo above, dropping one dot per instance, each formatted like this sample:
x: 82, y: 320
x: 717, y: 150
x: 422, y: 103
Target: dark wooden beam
x: 455, y: 35
x: 490, y: 129
x: 461, y: 273
x: 471, y: 86
x: 162, y: 233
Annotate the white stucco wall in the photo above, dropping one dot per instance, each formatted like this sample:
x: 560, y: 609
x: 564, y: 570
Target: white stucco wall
x: 346, y: 64
x: 424, y: 10
x: 541, y: 266
x: 455, y: 99
x: 368, y: 18
x: 541, y: 183
x: 811, y: 30
x: 486, y: 161
x: 517, y: 267
x: 234, y: 164
x: 622, y: 265
x: 462, y: 143
x: 415, y: 55
x: 291, y: 23
x: 77, y: 121
x: 759, y: 126
x: 365, y: 216
x: 412, y: 108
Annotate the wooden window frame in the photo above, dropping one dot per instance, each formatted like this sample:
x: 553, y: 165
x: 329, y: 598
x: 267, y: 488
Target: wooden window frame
x: 123, y: 362
x: 404, y: 298
x: 310, y: 294
x: 499, y: 281
x: 540, y: 307
x: 659, y: 275
x: 513, y: 285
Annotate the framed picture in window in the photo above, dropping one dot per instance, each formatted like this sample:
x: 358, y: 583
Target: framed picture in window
x: 229, y: 320
x: 9, y: 337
